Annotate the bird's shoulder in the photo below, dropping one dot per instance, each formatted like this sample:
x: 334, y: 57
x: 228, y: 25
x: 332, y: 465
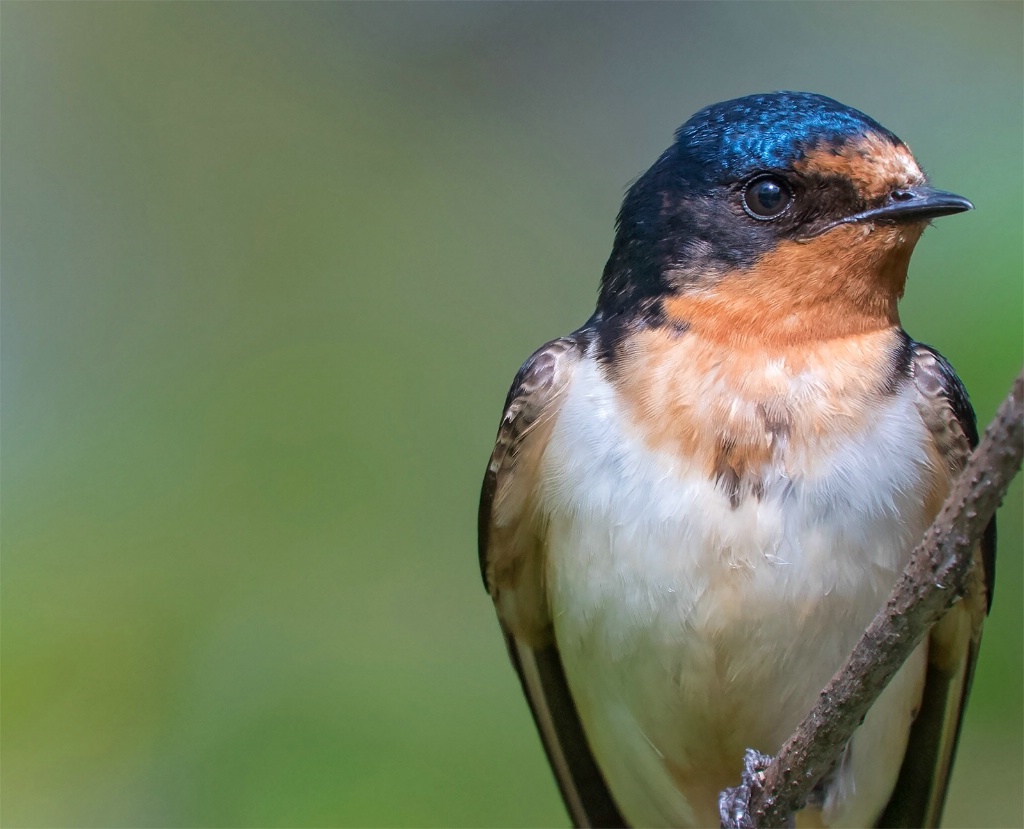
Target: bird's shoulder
x: 944, y: 402
x: 946, y: 410
x: 509, y: 547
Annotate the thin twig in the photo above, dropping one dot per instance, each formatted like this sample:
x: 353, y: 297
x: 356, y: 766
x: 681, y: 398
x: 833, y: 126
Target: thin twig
x: 934, y: 580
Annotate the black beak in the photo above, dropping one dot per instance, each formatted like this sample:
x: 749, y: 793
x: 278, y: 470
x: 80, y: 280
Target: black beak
x: 914, y: 204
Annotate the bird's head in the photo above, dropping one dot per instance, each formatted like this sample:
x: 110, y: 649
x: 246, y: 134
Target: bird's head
x: 776, y: 217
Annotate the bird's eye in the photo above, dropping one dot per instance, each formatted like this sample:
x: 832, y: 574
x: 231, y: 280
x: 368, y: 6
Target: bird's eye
x: 767, y: 197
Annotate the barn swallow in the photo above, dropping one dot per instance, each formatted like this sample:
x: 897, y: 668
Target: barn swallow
x: 698, y: 500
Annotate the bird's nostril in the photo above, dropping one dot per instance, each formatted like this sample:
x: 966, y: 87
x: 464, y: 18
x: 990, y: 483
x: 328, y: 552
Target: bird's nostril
x: 902, y: 195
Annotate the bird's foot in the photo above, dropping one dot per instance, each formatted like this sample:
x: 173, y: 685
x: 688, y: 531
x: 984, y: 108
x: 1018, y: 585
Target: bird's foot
x: 734, y: 803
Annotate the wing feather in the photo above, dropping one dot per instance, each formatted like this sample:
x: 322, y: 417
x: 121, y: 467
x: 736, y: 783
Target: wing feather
x: 512, y: 550
x: 920, y: 791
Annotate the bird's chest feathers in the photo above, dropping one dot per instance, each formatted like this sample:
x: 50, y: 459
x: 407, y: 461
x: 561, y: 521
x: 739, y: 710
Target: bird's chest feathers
x: 717, y: 491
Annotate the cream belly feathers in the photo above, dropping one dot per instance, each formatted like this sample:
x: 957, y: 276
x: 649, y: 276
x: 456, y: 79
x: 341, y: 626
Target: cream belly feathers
x: 670, y: 591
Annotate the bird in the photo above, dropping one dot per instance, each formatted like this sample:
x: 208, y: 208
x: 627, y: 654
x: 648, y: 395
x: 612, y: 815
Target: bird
x: 699, y: 499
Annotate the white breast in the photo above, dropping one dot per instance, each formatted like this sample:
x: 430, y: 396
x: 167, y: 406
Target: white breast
x: 691, y: 629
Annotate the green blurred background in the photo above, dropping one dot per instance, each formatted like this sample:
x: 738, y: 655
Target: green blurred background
x: 268, y: 270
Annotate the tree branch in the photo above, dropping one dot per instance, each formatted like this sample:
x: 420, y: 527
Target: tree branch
x: 934, y: 580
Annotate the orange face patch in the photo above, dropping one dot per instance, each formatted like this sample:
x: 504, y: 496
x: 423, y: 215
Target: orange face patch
x: 842, y: 282
x: 874, y: 165
x: 845, y: 282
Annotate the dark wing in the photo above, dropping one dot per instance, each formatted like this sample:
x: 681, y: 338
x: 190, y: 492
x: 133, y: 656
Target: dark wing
x: 512, y: 552
x: 920, y: 791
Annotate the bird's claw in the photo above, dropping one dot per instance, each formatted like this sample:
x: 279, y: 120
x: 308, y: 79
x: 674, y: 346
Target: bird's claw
x: 734, y: 803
